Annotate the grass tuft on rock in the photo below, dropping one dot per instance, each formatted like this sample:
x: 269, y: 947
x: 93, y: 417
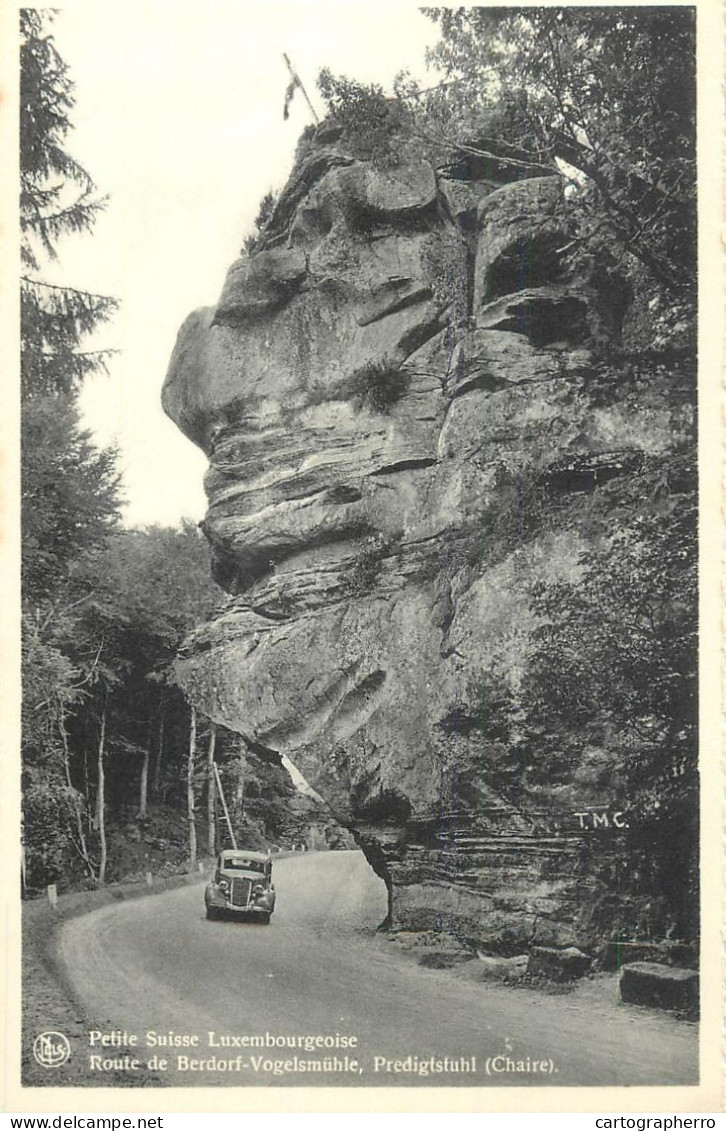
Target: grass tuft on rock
x: 378, y: 385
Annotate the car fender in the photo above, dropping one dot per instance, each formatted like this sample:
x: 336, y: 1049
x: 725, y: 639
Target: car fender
x: 212, y: 895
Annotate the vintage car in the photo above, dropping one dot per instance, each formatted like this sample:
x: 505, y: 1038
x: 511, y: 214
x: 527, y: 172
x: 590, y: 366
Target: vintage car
x: 242, y: 885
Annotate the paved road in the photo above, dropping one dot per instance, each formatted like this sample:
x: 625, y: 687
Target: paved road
x: 157, y: 966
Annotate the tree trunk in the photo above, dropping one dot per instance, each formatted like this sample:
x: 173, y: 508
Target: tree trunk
x: 211, y: 794
x: 87, y: 790
x: 144, y: 785
x: 101, y: 802
x: 82, y: 846
x: 157, y: 768
x: 239, y: 800
x: 190, y: 790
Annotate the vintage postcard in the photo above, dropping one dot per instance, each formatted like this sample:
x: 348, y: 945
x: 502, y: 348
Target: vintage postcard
x: 362, y: 729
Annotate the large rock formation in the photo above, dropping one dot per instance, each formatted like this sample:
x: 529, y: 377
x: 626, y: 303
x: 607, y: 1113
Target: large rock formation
x: 379, y: 390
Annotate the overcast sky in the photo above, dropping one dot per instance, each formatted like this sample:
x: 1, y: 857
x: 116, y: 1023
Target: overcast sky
x: 179, y: 120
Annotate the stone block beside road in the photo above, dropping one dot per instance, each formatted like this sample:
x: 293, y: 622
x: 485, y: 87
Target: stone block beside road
x: 660, y: 986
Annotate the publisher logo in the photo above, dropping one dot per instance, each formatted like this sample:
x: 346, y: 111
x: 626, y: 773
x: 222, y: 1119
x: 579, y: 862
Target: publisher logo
x: 51, y: 1049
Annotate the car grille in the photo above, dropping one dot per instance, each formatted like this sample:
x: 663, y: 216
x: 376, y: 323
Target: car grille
x: 239, y: 895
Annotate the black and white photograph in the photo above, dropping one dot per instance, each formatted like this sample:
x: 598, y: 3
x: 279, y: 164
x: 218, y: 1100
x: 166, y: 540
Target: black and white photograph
x: 360, y: 362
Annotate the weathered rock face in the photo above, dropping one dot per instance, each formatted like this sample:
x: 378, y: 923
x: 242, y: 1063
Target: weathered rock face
x: 399, y: 361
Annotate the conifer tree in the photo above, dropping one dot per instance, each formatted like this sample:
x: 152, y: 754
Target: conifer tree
x: 57, y: 198
x: 69, y: 488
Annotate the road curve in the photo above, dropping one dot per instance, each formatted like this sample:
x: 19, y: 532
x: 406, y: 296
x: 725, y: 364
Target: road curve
x: 246, y: 999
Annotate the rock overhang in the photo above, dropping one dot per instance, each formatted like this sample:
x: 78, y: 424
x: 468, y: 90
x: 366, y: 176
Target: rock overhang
x: 405, y: 353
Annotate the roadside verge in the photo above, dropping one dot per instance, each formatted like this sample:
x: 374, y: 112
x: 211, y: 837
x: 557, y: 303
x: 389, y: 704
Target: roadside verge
x: 48, y: 1003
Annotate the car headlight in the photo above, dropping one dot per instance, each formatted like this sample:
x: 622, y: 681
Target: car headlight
x: 258, y: 890
x: 223, y: 886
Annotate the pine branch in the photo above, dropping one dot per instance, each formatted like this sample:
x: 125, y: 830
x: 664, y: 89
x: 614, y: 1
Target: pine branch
x: 28, y: 258
x: 51, y: 373
x: 54, y: 161
x: 37, y: 198
x: 25, y: 279
x: 61, y: 313
x: 77, y: 217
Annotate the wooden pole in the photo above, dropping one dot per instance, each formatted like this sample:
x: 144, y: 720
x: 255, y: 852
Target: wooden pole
x: 190, y: 790
x: 298, y: 82
x: 232, y: 837
x: 211, y: 793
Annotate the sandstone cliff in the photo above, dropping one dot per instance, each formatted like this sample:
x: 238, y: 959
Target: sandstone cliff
x: 384, y: 387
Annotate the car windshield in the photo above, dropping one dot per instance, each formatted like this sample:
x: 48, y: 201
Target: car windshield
x: 242, y: 864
